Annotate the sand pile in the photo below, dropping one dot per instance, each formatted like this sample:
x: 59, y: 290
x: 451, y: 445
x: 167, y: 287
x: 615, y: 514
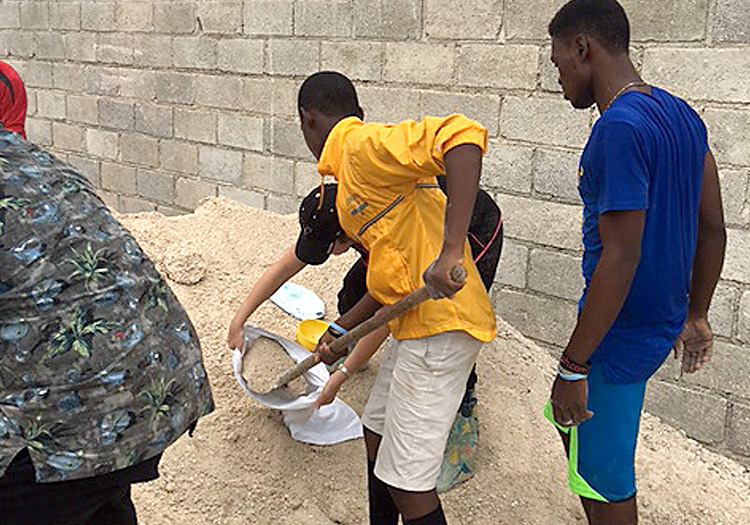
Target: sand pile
x: 184, y: 264
x: 241, y: 467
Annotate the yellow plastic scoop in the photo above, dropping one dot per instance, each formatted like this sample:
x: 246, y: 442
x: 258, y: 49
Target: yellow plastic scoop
x: 309, y: 332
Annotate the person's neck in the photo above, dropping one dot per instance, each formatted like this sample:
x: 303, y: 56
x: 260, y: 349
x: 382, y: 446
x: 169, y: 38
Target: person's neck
x: 611, y: 78
x: 327, y: 126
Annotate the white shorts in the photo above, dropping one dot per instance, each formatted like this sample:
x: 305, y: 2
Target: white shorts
x: 413, y: 403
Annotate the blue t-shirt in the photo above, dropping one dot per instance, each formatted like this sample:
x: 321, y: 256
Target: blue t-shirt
x: 645, y: 153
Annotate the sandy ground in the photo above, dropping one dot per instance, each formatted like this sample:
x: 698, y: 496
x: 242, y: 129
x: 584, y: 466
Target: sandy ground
x: 241, y: 466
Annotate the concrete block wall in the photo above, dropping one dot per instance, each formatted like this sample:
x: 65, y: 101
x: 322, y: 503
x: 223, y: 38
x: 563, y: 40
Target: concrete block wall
x: 165, y: 102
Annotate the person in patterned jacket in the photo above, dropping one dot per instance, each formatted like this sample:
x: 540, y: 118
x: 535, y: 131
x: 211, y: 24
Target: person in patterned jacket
x: 100, y: 367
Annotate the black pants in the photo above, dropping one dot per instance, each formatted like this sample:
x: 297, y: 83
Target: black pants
x: 354, y: 286
x: 99, y: 500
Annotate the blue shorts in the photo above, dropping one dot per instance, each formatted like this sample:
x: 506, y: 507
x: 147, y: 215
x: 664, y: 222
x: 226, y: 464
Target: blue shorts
x: 601, y: 453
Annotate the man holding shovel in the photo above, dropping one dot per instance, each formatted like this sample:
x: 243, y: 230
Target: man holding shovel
x: 321, y: 236
x: 387, y: 202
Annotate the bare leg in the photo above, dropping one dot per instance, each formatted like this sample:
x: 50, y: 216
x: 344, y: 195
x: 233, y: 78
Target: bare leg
x: 416, y: 505
x: 372, y: 443
x: 387, y: 502
x: 620, y: 513
x: 383, y: 510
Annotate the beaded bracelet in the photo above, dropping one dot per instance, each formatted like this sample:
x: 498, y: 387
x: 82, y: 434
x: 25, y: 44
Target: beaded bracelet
x: 567, y: 375
x: 574, y: 367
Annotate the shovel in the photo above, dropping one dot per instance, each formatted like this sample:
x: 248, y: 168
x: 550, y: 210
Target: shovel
x: 381, y: 317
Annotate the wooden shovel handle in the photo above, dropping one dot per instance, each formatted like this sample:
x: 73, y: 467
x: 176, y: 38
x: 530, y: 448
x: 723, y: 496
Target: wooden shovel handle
x: 381, y: 317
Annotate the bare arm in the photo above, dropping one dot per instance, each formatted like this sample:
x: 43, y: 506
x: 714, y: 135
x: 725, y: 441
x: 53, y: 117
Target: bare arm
x: 463, y: 167
x: 696, y: 340
x: 621, y: 234
x: 282, y: 270
x: 363, y: 310
x: 360, y: 312
x: 712, y: 240
x: 363, y: 351
x: 366, y: 348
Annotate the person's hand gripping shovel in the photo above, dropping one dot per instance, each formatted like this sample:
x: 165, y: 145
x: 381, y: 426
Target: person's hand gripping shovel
x: 381, y: 317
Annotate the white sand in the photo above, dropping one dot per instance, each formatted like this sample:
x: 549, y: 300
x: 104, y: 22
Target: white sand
x: 263, y: 363
x: 241, y: 467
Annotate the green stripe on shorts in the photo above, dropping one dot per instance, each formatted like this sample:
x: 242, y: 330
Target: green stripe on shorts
x: 576, y: 483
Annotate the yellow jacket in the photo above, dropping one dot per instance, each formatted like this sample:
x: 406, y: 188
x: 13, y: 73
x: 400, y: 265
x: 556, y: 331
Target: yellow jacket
x: 388, y: 200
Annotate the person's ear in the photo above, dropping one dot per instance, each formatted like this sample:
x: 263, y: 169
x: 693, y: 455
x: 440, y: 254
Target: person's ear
x: 307, y: 118
x: 582, y: 47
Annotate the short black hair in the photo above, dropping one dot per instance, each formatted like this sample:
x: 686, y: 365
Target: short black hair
x: 331, y: 93
x: 605, y: 20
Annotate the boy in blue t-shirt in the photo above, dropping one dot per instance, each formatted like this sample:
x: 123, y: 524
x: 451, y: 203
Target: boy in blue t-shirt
x: 654, y: 241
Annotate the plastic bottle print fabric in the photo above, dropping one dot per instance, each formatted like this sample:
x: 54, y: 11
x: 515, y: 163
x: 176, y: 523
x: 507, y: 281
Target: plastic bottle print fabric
x: 100, y: 367
x: 459, y: 458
